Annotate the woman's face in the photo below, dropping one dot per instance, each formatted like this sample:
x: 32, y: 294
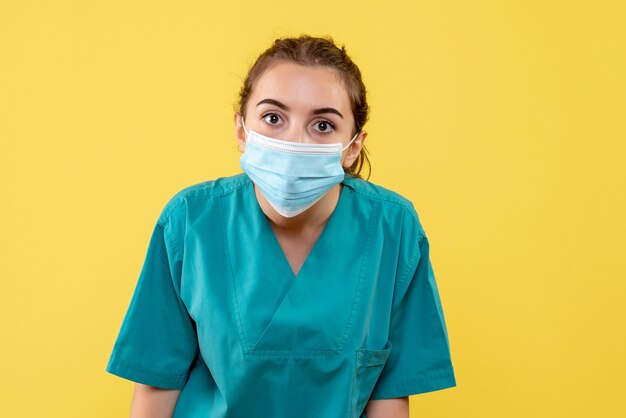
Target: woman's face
x: 298, y: 103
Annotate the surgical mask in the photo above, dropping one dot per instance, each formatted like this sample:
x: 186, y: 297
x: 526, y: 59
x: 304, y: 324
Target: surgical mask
x: 292, y: 176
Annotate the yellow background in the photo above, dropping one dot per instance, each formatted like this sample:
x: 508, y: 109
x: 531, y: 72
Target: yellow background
x: 503, y: 121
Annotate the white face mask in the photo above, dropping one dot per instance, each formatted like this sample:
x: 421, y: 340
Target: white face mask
x: 292, y: 176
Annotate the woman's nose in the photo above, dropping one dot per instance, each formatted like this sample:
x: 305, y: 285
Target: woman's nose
x: 297, y: 133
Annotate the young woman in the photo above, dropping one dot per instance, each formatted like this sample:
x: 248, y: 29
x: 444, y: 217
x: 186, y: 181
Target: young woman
x: 295, y: 288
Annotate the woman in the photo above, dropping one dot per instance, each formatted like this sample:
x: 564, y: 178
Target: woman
x: 295, y: 288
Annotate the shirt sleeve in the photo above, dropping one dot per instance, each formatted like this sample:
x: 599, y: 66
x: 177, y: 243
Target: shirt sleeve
x: 419, y: 360
x: 157, y: 342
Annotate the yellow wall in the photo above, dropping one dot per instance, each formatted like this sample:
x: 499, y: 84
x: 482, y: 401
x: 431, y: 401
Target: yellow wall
x: 503, y: 121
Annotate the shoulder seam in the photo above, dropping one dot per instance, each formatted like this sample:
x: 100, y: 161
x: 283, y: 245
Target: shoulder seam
x: 180, y: 196
x: 399, y: 202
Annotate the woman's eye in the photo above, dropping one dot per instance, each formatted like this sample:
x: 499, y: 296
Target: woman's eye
x: 325, y: 127
x: 271, y: 118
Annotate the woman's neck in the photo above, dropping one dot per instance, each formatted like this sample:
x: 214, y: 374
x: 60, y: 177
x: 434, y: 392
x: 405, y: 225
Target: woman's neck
x: 313, y: 217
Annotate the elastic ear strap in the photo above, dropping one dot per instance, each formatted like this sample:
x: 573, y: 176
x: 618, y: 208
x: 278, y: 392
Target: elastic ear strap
x: 351, y: 141
x: 244, y: 125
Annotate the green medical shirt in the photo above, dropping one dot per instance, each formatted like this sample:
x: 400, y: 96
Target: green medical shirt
x: 218, y: 313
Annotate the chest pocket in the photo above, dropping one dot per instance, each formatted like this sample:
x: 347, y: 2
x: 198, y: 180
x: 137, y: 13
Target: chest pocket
x: 369, y: 364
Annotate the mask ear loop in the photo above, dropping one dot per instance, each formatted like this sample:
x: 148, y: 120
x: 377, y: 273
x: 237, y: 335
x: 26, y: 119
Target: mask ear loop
x: 244, y: 126
x: 351, y: 141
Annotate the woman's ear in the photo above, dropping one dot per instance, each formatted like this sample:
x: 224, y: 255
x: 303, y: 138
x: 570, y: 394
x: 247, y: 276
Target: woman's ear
x: 352, y: 153
x: 240, y: 134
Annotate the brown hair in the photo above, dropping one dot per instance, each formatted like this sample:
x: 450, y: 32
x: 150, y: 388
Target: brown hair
x: 311, y: 51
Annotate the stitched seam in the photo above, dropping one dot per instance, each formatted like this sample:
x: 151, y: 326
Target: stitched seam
x: 176, y: 249
x: 406, y: 206
x: 411, y: 266
x: 299, y: 354
x: 222, y: 191
x: 415, y: 379
x: 232, y: 277
x: 386, y: 199
x: 151, y: 373
x: 361, y: 274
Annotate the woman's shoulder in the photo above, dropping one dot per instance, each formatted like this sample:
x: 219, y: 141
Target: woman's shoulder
x: 375, y: 191
x: 393, y: 203
x: 205, y: 190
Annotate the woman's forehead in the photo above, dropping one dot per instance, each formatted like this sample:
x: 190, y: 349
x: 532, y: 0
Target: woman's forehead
x: 303, y: 86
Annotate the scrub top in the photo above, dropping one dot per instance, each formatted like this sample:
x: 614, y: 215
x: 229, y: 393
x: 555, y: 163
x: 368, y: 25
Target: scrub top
x: 218, y: 313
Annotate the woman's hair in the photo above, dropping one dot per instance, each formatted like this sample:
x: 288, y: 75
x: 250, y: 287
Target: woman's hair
x: 312, y: 51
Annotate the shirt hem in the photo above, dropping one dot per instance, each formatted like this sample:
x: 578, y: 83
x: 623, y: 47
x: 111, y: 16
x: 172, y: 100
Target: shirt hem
x: 414, y: 386
x: 146, y: 377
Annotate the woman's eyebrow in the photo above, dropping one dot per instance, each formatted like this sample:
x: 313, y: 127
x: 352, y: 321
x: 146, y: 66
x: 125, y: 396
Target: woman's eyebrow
x: 313, y: 112
x: 327, y: 110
